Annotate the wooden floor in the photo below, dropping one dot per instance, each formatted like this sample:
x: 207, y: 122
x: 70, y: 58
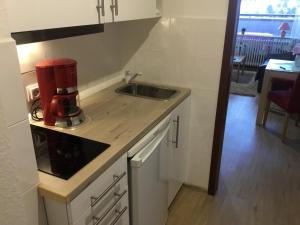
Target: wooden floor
x: 260, y: 176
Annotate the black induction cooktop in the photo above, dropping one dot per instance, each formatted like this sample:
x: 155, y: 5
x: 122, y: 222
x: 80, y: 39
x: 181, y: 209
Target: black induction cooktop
x: 63, y: 155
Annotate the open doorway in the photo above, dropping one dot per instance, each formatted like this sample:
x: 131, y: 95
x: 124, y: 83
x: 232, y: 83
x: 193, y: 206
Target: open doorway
x: 266, y: 30
x: 259, y: 44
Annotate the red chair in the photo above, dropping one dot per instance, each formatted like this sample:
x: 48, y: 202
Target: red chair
x: 288, y: 100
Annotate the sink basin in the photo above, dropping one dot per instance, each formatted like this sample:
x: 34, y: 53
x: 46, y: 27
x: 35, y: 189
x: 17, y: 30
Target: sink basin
x: 147, y: 91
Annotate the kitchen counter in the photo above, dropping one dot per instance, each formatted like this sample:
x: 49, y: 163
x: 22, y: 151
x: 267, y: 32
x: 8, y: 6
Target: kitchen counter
x: 115, y: 119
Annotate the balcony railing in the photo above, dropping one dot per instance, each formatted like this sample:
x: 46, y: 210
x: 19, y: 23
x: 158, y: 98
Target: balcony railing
x: 257, y: 48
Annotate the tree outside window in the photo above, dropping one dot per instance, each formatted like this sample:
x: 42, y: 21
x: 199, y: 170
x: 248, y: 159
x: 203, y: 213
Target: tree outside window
x: 263, y: 17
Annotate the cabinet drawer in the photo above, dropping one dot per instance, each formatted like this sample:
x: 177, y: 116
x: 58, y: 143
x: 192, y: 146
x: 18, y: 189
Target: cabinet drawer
x: 101, y: 191
x: 118, y: 215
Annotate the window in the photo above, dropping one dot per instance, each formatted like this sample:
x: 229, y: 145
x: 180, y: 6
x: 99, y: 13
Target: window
x: 264, y: 17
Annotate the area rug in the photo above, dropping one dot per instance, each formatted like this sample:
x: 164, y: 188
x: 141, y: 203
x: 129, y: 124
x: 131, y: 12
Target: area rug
x: 247, y: 86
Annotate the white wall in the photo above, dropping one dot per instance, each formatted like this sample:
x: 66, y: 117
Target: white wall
x: 12, y: 208
x: 184, y: 48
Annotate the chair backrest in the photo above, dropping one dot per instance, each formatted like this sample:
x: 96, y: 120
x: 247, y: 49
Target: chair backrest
x: 294, y: 102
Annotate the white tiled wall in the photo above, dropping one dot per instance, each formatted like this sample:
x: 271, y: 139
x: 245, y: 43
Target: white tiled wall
x: 11, y: 88
x: 23, y: 153
x: 16, y: 150
x: 11, y: 208
x: 31, y: 203
x: 184, y: 48
x: 4, y: 33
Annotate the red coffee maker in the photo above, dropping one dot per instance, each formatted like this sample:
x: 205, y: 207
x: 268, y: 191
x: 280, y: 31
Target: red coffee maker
x: 57, y: 80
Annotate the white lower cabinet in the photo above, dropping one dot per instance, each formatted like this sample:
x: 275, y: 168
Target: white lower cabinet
x: 178, y: 148
x: 103, y: 202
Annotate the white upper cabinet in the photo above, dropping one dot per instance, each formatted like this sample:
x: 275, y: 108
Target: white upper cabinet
x: 28, y: 15
x: 124, y: 10
x: 68, y: 13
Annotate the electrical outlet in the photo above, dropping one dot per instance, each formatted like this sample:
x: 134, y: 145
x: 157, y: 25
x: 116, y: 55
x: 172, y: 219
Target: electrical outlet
x: 33, y: 92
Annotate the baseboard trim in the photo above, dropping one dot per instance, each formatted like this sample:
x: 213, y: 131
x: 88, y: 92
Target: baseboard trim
x: 195, y: 187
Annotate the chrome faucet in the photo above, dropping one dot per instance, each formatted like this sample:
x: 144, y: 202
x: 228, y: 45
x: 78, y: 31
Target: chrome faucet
x: 129, y: 76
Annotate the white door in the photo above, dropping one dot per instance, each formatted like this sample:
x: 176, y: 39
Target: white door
x: 124, y: 10
x: 178, y: 149
x: 28, y: 15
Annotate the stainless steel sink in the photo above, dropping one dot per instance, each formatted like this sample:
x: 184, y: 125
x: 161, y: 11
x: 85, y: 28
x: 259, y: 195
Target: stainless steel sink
x: 147, y: 91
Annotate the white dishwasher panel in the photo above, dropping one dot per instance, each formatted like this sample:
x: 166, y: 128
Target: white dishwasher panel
x: 149, y: 183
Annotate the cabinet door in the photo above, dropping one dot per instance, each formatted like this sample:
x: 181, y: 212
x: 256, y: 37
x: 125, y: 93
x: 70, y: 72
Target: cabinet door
x: 28, y: 15
x: 178, y: 149
x: 124, y: 10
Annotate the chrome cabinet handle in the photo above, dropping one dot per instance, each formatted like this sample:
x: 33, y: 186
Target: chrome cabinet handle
x: 177, y: 121
x: 114, y: 8
x: 95, y: 200
x: 98, y: 220
x: 119, y: 215
x: 100, y: 9
x: 117, y: 7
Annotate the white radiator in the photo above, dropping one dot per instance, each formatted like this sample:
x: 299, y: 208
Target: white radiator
x: 256, y: 48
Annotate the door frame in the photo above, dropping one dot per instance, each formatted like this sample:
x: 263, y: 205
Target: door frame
x: 223, y: 96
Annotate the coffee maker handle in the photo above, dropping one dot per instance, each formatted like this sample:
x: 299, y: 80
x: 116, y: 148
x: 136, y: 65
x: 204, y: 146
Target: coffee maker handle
x: 54, y: 106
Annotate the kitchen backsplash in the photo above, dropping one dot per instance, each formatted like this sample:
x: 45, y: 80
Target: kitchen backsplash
x: 97, y: 55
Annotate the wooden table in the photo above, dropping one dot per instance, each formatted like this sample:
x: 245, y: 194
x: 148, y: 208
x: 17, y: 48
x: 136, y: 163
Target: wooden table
x: 239, y: 60
x: 279, y: 69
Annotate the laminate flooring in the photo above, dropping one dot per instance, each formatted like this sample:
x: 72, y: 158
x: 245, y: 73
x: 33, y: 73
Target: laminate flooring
x: 260, y: 176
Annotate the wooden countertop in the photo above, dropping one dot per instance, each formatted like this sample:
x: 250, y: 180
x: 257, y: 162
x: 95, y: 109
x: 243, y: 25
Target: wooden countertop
x: 118, y: 120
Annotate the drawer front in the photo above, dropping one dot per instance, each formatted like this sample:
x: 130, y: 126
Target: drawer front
x: 105, y: 188
x: 117, y: 215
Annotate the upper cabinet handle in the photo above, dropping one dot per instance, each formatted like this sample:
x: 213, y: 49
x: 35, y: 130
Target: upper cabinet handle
x: 100, y: 9
x: 114, y: 8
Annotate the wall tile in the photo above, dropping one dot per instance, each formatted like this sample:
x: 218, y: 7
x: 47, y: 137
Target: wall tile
x: 187, y: 52
x: 31, y: 203
x: 204, y: 103
x: 11, y: 202
x: 11, y: 89
x: 20, y: 141
x: 4, y: 31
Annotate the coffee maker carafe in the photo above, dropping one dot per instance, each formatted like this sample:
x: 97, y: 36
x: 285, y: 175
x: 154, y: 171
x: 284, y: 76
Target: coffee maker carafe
x: 57, y: 80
